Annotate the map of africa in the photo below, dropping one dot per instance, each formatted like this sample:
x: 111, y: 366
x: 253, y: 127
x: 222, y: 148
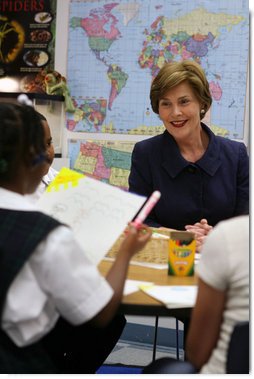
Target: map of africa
x: 116, y: 48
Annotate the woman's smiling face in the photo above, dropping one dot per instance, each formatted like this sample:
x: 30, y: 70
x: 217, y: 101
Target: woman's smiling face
x: 179, y: 110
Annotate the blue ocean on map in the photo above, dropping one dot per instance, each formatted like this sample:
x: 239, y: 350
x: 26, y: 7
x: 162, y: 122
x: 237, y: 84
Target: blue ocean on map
x: 116, y: 48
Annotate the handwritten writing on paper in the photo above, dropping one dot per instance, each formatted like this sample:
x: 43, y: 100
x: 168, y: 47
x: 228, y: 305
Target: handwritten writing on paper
x: 97, y: 212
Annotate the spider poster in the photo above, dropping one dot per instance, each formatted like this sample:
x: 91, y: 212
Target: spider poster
x: 27, y: 42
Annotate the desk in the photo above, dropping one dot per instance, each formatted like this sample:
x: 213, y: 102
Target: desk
x: 141, y: 304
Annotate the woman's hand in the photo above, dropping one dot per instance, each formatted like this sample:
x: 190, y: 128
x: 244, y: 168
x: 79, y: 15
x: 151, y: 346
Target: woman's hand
x: 201, y: 229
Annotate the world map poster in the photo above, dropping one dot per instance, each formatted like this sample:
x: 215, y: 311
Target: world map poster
x: 115, y: 49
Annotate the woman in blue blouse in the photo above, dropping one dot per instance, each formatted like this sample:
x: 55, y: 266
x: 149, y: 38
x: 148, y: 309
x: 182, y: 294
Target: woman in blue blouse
x: 203, y: 178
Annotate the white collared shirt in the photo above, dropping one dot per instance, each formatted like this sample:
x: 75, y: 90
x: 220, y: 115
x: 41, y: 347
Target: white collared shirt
x: 58, y: 279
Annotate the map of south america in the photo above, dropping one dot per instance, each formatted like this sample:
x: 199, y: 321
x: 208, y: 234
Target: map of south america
x: 101, y: 29
x: 115, y: 49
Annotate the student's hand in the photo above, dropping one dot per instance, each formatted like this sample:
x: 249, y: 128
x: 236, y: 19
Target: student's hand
x: 135, y: 239
x: 201, y: 229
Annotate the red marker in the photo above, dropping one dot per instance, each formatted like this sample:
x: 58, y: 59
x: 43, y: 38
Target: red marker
x: 142, y: 215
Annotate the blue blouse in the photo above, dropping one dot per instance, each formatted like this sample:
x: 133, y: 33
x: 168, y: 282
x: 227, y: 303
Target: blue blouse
x: 216, y: 187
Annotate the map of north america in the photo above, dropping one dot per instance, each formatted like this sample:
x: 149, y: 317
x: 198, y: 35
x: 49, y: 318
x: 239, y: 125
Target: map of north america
x: 116, y: 48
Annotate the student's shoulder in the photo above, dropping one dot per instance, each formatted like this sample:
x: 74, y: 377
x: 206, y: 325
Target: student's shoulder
x: 228, y: 233
x: 239, y: 223
x: 44, y: 218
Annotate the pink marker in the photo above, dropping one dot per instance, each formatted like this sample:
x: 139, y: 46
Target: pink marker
x: 153, y: 199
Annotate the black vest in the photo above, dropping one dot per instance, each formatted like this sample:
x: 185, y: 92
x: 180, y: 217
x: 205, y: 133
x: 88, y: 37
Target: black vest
x: 20, y: 233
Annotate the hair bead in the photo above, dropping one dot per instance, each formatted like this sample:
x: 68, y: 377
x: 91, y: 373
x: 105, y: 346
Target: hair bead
x: 24, y: 99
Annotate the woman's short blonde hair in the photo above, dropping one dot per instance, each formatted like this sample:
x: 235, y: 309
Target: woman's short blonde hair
x: 174, y: 73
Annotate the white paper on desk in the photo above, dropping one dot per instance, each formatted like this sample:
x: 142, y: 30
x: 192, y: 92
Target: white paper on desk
x: 173, y: 296
x: 131, y: 286
x: 97, y: 212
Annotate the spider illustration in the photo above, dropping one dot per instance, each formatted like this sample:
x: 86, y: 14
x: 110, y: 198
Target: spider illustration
x: 12, y: 37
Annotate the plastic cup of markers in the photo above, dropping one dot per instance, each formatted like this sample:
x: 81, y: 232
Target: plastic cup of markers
x: 181, y: 253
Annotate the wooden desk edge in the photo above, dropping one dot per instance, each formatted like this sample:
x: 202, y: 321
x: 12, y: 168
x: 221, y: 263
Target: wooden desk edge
x: 141, y: 304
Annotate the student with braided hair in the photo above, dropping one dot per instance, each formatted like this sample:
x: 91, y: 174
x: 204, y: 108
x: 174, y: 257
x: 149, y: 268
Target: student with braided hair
x: 53, y: 300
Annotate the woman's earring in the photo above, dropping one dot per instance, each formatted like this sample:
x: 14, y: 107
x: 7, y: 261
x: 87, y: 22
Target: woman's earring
x: 202, y: 112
